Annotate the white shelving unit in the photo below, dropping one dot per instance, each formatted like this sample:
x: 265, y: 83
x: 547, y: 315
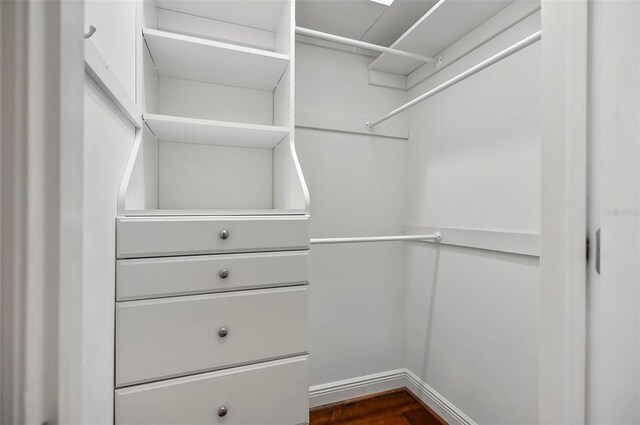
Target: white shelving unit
x: 209, y: 61
x: 214, y: 176
x: 218, y: 112
x: 428, y: 37
x: 209, y: 132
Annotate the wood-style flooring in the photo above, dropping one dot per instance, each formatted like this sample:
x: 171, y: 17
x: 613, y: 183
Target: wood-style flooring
x: 397, y: 407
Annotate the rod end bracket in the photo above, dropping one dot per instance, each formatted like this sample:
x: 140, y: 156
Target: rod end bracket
x: 368, y: 125
x: 439, y: 61
x: 438, y: 236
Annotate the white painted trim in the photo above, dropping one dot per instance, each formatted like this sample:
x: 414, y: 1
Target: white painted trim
x: 333, y: 392
x: 439, y: 404
x: 562, y: 347
x: 41, y: 200
x: 96, y: 66
x: 491, y: 240
x: 387, y: 79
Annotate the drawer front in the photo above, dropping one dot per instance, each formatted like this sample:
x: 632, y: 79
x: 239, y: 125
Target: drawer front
x: 157, y: 277
x: 272, y: 393
x: 169, y: 337
x: 139, y: 237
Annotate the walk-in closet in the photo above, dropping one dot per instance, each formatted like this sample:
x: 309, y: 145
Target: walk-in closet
x: 325, y: 212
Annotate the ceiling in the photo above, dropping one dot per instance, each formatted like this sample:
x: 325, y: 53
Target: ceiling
x: 361, y: 19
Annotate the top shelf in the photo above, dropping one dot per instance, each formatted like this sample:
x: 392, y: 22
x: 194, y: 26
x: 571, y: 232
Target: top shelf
x: 265, y: 14
x: 429, y: 37
x: 198, y: 59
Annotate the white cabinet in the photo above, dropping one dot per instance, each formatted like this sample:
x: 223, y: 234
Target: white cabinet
x: 272, y: 393
x: 212, y: 228
x: 165, y: 236
x: 169, y: 276
x: 157, y: 339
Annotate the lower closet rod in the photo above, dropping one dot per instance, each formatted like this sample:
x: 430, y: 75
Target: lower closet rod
x: 455, y: 80
x: 436, y: 237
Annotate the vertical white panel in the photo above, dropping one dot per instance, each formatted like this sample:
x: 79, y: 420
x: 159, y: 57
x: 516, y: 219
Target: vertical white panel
x: 613, y: 370
x: 108, y: 137
x: 290, y: 189
x: 565, y: 26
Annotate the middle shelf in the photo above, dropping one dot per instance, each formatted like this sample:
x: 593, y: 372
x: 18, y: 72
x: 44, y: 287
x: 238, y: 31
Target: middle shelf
x: 199, y: 59
x: 219, y: 133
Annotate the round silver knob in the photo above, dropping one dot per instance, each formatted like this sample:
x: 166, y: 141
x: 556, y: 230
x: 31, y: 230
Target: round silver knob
x: 222, y: 332
x: 222, y: 411
x: 224, y: 234
x: 224, y: 273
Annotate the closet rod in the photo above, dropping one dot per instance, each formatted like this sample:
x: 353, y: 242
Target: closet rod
x: 364, y: 45
x: 436, y: 237
x: 466, y: 74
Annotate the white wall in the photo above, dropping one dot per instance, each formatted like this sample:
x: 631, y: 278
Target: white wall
x: 472, y: 315
x: 613, y: 325
x: 115, y: 22
x: 356, y: 184
x: 108, y: 138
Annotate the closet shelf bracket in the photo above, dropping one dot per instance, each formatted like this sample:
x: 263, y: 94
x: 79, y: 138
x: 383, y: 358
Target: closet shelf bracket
x: 435, y: 237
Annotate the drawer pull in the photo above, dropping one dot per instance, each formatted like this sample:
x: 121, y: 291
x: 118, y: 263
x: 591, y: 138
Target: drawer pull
x: 222, y: 411
x: 224, y: 234
x: 224, y: 273
x: 222, y: 332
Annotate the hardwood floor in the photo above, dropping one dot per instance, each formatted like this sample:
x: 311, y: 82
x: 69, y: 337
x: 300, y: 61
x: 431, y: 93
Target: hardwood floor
x: 397, y: 407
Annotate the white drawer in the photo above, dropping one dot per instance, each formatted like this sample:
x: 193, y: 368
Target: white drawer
x: 169, y: 236
x: 272, y: 393
x: 157, y: 277
x: 169, y: 337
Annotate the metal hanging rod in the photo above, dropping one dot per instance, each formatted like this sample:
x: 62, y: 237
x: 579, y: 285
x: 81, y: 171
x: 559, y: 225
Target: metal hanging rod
x: 466, y: 74
x: 365, y: 45
x: 436, y: 237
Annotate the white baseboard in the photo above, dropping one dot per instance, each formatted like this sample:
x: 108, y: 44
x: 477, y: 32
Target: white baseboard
x: 443, y: 407
x: 334, y: 392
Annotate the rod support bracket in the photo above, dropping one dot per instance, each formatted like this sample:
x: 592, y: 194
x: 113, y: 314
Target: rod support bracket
x: 439, y: 61
x: 438, y: 236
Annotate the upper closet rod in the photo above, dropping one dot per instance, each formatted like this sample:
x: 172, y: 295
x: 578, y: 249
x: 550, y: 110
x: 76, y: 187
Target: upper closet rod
x: 436, y: 237
x: 466, y: 74
x: 365, y: 45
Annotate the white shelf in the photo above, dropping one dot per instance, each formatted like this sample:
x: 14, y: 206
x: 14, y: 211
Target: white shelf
x: 210, y: 212
x: 193, y: 58
x: 264, y: 14
x: 430, y: 36
x: 216, y: 133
